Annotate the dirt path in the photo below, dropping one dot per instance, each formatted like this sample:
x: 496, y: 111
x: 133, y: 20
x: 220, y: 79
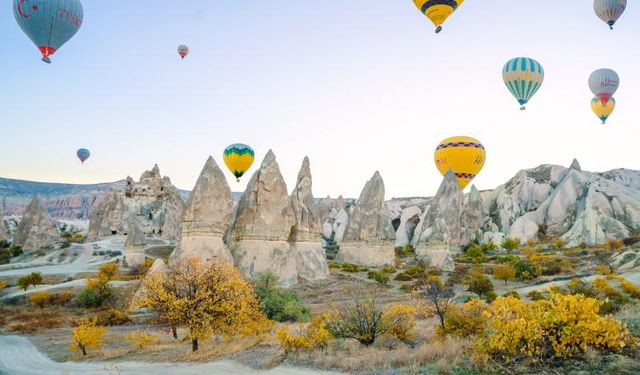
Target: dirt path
x: 18, y: 356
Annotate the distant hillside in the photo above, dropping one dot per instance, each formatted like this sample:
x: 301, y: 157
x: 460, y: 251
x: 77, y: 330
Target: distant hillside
x: 64, y: 201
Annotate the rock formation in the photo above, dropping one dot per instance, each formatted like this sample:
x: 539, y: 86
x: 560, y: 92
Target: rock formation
x: 153, y: 198
x: 207, y: 217
x: 311, y: 262
x: 37, y: 229
x: 135, y: 243
x: 334, y: 215
x: 449, y: 222
x: 368, y: 237
x: 262, y: 225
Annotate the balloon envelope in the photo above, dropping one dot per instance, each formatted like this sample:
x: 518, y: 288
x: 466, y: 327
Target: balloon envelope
x: 609, y: 10
x: 604, y: 83
x: 48, y: 23
x: 523, y: 77
x: 238, y: 158
x: 83, y: 154
x: 437, y: 10
x: 603, y: 110
x: 465, y: 156
x: 183, y: 51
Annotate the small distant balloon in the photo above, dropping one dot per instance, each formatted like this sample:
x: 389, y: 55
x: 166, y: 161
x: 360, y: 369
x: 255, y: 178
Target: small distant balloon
x: 604, y: 83
x: 83, y: 155
x: 437, y: 10
x: 48, y: 23
x: 523, y: 77
x: 603, y: 111
x: 183, y: 51
x: 465, y: 156
x: 238, y: 157
x: 609, y: 10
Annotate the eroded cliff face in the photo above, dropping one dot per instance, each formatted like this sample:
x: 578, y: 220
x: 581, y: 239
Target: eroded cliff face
x: 153, y: 199
x: 36, y: 229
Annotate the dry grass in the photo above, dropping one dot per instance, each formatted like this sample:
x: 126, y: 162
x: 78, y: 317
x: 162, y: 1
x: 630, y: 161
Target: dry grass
x: 350, y: 356
x: 22, y: 320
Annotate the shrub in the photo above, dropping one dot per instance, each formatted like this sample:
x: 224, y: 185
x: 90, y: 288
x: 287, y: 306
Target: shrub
x: 577, y: 286
x: 334, y: 265
x: 475, y: 254
x: 3, y: 284
x: 5, y: 256
x: 16, y: 251
x: 4, y: 244
x: 112, y: 317
x: 504, y: 272
x: 490, y: 247
x: 34, y: 278
x: 315, y: 335
x: 525, y: 270
x: 401, y: 322
x: 348, y: 267
x: 535, y: 295
x: 108, y: 271
x: 380, y: 277
x: 40, y: 299
x: 439, y: 297
x: 89, y: 298
x: 388, y: 269
x: 614, y: 300
x: 479, y: 284
x: 279, y: 304
x: 558, y: 243
x: 630, y: 288
x: 511, y: 293
x: 87, y: 335
x: 465, y: 320
x: 565, y: 326
x: 62, y: 298
x: 66, y: 235
x: 78, y: 237
x: 510, y: 244
x: 140, y: 340
x: 361, y: 320
x: 403, y: 276
x: 613, y: 244
x: 603, y: 269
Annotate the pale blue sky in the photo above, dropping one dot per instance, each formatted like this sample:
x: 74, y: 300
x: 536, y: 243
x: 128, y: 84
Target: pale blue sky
x: 356, y: 85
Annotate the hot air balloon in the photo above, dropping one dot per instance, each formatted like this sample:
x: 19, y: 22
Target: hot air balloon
x: 438, y: 10
x: 83, y: 155
x: 183, y: 51
x: 523, y: 77
x: 465, y: 156
x: 603, y: 111
x: 48, y: 23
x: 604, y: 83
x: 609, y: 10
x: 238, y: 158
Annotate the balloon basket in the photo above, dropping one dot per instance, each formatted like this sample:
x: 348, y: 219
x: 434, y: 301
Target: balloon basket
x: 523, y: 108
x: 47, y: 60
x: 438, y: 29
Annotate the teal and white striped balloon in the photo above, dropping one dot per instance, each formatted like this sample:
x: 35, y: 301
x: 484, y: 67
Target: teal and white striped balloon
x: 523, y: 77
x: 48, y: 23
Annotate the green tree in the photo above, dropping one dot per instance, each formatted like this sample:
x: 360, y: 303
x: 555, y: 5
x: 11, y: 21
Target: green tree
x: 279, y: 304
x: 510, y: 244
x: 34, y: 278
x: 479, y: 284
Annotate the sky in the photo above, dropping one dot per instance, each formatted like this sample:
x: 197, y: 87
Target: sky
x: 356, y: 85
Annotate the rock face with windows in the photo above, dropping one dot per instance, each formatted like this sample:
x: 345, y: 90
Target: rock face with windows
x: 153, y: 199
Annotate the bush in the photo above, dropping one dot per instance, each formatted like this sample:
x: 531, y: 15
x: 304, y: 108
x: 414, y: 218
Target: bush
x: 613, y: 244
x: 140, y: 340
x: 34, y: 278
x: 315, y: 335
x: 334, y: 265
x: 4, y: 244
x: 479, y: 284
x: 535, y: 295
x: 603, y: 269
x: 3, y: 284
x: 89, y: 298
x: 40, y: 299
x: 388, y: 269
x: 380, y: 277
x: 16, y: 251
x: 279, y: 304
x: 525, y: 270
x: 475, y: 254
x: 78, y: 237
x: 510, y: 244
x: 565, y: 326
x: 511, y: 293
x: 108, y: 271
x: 614, y: 299
x: 465, y: 320
x: 112, y: 317
x: 490, y: 247
x: 66, y: 235
x: 5, y: 256
x: 61, y: 299
x: 630, y: 288
x: 362, y: 321
x: 577, y: 286
x: 403, y: 276
x: 401, y: 321
x: 348, y: 267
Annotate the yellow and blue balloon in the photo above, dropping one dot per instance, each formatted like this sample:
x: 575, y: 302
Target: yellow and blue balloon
x: 465, y: 156
x: 603, y: 110
x: 523, y: 77
x: 238, y: 158
x: 437, y: 10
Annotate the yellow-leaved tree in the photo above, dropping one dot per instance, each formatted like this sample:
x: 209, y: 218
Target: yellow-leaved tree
x: 87, y: 335
x: 208, y: 300
x: 315, y: 335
